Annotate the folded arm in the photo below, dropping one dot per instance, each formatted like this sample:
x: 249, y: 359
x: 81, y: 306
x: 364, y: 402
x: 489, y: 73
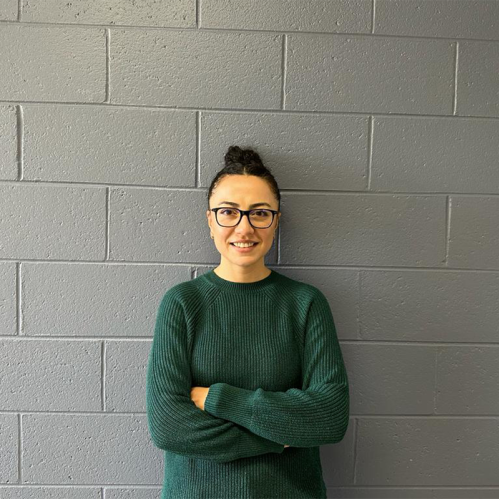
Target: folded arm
x: 175, y: 423
x: 316, y: 415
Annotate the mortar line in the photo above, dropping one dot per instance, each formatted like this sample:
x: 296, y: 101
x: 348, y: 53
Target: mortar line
x: 454, y: 88
x: 257, y: 111
x: 107, y: 208
x: 421, y: 417
x: 55, y: 486
x: 413, y: 488
x: 295, y: 192
x: 18, y: 300
x: 107, y: 98
x: 279, y: 266
x: 345, y: 341
x: 357, y: 306
x: 370, y: 132
x: 355, y: 443
x: 103, y: 375
x: 19, y: 449
x: 197, y: 166
x: 435, y: 381
x: 33, y: 485
x: 20, y: 142
x: 448, y: 206
x: 284, y: 63
x: 367, y: 34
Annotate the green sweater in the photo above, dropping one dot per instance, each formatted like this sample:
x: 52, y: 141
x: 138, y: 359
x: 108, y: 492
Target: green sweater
x: 269, y: 352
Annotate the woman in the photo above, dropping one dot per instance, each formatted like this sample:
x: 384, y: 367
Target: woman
x: 245, y: 378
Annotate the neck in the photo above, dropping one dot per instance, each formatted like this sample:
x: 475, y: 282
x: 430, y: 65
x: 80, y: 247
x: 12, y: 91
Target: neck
x: 242, y: 274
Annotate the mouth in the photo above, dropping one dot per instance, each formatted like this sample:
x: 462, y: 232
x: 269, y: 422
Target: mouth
x: 242, y: 249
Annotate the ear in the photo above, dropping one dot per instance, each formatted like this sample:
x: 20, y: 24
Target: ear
x: 277, y: 220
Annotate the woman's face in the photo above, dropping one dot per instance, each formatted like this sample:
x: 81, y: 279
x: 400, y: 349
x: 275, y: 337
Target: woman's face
x: 245, y: 190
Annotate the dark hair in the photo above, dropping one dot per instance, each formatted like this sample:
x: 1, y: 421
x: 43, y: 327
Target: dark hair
x: 245, y: 162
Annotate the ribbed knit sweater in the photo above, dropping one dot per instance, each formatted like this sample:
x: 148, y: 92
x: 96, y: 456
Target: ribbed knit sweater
x: 269, y: 353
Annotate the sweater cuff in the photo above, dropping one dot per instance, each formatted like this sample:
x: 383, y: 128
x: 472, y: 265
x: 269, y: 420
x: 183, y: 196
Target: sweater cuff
x: 230, y: 402
x: 235, y: 404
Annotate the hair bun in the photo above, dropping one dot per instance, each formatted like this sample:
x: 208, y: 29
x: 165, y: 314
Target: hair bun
x: 245, y: 162
x: 242, y: 156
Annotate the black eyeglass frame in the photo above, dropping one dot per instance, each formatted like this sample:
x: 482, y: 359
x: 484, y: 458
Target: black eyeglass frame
x: 242, y: 213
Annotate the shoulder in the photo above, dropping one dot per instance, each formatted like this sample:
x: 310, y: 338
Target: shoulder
x: 178, y: 293
x: 298, y: 296
x: 191, y: 296
x: 301, y: 289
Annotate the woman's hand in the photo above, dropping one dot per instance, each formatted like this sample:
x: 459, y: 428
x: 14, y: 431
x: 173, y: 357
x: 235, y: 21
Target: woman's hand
x: 286, y: 446
x: 198, y: 395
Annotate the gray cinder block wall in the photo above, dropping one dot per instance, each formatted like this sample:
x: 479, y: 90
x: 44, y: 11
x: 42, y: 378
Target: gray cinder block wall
x: 380, y: 120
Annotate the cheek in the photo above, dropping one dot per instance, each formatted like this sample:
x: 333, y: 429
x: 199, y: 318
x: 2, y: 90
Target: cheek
x: 267, y: 242
x: 224, y: 238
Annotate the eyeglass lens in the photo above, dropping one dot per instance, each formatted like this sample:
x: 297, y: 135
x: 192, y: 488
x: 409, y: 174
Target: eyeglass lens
x: 228, y: 217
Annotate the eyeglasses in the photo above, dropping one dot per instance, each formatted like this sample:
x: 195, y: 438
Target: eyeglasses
x: 258, y: 218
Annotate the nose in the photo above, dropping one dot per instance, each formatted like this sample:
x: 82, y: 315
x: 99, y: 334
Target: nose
x: 244, y: 225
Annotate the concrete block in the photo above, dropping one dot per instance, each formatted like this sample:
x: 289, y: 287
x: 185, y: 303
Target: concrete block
x: 41, y: 63
x: 95, y: 300
x: 438, y: 18
x: 477, y: 79
x: 50, y: 375
x: 84, y: 449
x: 8, y: 143
x: 9, y: 443
x: 174, y: 13
x: 390, y: 379
x: 364, y: 74
x: 474, y: 232
x: 8, y: 301
x: 351, y: 229
x: 428, y: 154
x: 50, y: 222
x: 330, y: 16
x: 405, y: 305
x: 196, y: 69
x: 467, y: 380
x: 8, y: 10
x: 322, y: 152
x: 126, y: 371
x: 109, y: 145
x: 421, y: 452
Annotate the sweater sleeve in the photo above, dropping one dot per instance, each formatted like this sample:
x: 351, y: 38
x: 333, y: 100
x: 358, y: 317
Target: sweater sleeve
x: 175, y: 423
x: 318, y: 414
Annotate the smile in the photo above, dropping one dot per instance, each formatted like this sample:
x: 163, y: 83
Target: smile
x: 244, y: 249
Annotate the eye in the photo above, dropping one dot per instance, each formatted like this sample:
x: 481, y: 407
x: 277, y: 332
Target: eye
x: 227, y: 211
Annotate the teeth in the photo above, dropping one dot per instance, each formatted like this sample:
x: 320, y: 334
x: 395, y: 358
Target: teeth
x: 243, y: 245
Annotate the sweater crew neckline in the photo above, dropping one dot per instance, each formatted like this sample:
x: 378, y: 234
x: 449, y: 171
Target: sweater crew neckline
x: 241, y: 286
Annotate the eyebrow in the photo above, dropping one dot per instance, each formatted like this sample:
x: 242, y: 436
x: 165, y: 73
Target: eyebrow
x: 251, y: 205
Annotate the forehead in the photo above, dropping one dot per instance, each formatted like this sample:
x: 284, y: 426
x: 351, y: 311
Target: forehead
x: 244, y: 190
